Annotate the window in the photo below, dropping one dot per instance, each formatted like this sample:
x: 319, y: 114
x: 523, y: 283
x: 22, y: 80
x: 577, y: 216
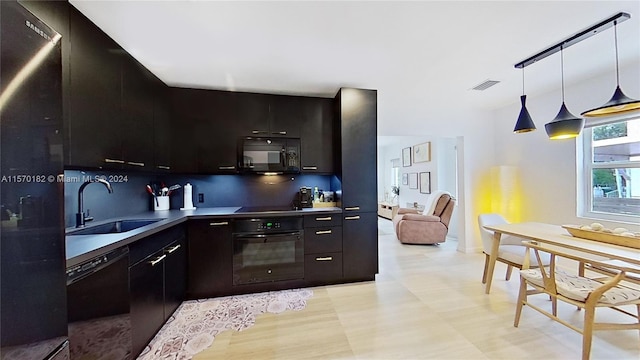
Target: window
x: 611, y: 171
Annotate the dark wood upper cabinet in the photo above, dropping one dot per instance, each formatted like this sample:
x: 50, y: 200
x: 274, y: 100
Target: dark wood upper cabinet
x: 162, y: 127
x: 251, y: 113
x: 287, y: 114
x: 316, y: 136
x: 95, y: 112
x: 205, y: 130
x: 109, y: 98
x: 136, y: 125
x: 356, y: 121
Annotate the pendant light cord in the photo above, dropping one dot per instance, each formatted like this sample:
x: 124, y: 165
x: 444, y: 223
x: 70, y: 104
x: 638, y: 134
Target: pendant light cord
x: 562, y: 70
x: 615, y: 34
x: 523, y: 80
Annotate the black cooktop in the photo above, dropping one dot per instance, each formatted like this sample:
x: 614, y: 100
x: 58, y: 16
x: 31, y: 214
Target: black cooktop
x: 250, y: 209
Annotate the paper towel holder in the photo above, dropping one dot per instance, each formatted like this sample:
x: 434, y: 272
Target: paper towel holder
x: 187, y: 191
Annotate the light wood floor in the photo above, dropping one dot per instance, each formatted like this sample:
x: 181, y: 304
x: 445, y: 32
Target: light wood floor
x: 426, y: 303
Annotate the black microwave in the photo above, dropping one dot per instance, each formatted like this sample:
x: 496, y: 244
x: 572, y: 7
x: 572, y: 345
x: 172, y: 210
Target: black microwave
x: 269, y: 155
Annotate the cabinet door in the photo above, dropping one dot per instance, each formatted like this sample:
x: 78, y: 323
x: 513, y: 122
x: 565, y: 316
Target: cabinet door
x: 322, y: 239
x: 358, y: 116
x: 210, y: 258
x: 146, y: 281
x: 323, y: 268
x: 316, y: 137
x: 217, y: 138
x: 360, y: 246
x: 175, y: 276
x: 161, y: 127
x: 188, y: 113
x: 286, y: 114
x: 94, y: 113
x: 136, y: 130
x: 252, y: 113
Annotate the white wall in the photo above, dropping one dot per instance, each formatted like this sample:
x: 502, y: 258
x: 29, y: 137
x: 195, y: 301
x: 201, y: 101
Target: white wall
x: 442, y: 168
x: 474, y: 141
x: 485, y: 138
x: 548, y: 168
x: 394, y: 151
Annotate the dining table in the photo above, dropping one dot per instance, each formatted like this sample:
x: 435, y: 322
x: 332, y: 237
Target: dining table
x: 558, y: 236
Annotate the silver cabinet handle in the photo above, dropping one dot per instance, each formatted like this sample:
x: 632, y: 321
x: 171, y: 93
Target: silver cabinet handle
x: 169, y: 251
x: 114, y: 161
x: 323, y: 232
x: 135, y: 163
x: 164, y: 167
x: 309, y: 168
x: 326, y: 258
x: 353, y: 208
x: 259, y: 132
x: 221, y: 223
x: 154, y: 262
x: 226, y: 167
x: 279, y: 133
x: 328, y: 218
x: 357, y: 217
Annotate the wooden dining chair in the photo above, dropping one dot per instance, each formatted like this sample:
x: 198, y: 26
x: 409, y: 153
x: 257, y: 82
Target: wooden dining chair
x: 583, y: 292
x: 511, y: 250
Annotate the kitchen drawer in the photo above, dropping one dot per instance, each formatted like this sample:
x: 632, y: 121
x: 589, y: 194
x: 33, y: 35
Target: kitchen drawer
x: 145, y: 247
x: 323, y: 268
x: 323, y: 239
x: 322, y: 220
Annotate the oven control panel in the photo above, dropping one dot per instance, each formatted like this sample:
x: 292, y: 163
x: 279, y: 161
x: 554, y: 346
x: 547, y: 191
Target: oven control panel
x: 268, y: 225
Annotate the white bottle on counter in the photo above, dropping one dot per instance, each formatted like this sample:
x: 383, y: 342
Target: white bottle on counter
x: 188, y: 197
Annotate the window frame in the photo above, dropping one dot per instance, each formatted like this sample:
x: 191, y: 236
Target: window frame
x: 585, y: 170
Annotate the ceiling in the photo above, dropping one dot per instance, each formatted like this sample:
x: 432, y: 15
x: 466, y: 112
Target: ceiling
x: 422, y: 57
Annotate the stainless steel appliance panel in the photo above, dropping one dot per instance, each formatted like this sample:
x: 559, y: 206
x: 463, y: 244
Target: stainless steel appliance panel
x: 33, y: 318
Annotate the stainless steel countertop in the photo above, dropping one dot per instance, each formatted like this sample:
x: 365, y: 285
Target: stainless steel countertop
x: 80, y: 248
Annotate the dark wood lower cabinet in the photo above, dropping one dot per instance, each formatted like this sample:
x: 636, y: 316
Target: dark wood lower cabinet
x: 157, y: 282
x: 210, y: 258
x: 175, y: 276
x: 147, y: 301
x: 323, y: 268
x: 360, y: 246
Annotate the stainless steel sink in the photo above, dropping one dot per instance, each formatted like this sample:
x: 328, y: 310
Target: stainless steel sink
x: 114, y: 227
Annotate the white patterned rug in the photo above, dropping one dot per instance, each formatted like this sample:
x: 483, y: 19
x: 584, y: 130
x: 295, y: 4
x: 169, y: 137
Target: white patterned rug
x: 194, y: 325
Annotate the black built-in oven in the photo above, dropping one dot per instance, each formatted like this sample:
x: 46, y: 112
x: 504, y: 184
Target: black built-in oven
x: 268, y: 249
x: 264, y: 155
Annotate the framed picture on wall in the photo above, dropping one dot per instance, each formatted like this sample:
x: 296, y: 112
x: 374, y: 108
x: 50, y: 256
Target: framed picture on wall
x: 425, y: 182
x: 413, y: 181
x: 422, y: 152
x: 406, y: 157
x: 405, y: 179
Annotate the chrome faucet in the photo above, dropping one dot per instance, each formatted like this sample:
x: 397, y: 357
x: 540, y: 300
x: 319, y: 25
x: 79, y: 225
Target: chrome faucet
x: 80, y: 216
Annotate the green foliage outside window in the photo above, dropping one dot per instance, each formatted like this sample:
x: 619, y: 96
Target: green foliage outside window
x: 610, y: 131
x: 604, y: 178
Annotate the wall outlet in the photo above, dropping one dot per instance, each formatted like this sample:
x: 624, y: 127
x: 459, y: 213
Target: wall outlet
x: 200, y: 197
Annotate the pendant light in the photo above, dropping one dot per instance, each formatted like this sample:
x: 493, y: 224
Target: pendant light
x: 524, y: 123
x: 565, y: 125
x: 619, y: 103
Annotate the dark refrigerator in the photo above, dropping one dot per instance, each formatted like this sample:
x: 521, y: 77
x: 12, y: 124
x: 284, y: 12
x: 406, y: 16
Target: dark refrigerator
x: 33, y: 323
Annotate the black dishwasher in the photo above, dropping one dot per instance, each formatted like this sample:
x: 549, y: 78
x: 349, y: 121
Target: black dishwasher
x: 98, y: 307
